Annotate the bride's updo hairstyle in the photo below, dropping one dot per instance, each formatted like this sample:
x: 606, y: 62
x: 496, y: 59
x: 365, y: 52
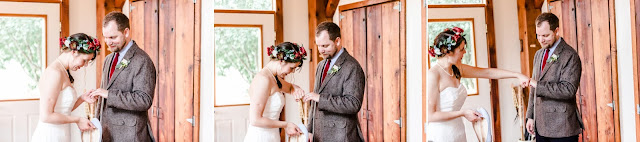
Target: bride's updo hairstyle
x: 447, y: 42
x: 81, y: 43
x: 288, y: 52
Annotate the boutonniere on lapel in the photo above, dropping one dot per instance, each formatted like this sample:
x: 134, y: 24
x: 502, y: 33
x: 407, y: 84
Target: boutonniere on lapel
x: 553, y: 58
x: 334, y: 69
x: 123, y: 64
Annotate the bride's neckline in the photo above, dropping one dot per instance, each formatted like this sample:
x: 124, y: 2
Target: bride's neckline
x: 450, y: 87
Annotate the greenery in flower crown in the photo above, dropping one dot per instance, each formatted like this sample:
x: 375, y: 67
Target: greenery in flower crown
x: 442, y: 47
x: 289, y: 55
x: 88, y: 46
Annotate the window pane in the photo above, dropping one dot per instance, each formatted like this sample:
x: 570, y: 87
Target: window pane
x: 244, y: 4
x: 469, y: 58
x: 455, y: 1
x: 22, y: 43
x: 236, y: 62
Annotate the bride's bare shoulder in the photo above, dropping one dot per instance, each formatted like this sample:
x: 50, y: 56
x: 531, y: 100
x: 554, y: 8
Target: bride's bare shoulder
x: 432, y: 73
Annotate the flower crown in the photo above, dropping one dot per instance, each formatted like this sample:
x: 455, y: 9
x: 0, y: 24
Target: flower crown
x: 85, y: 46
x: 283, y: 54
x: 439, y: 50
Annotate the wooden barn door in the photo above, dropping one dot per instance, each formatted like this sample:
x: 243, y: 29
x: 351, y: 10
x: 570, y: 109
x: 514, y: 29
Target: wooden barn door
x: 372, y: 35
x: 589, y: 27
x: 168, y: 34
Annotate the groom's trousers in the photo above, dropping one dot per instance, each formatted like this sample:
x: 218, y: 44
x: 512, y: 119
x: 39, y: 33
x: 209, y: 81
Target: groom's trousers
x: 565, y: 139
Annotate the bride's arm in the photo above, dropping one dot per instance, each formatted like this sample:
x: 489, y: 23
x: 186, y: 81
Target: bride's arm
x: 50, y: 87
x: 433, y: 92
x: 259, y: 94
x: 491, y: 73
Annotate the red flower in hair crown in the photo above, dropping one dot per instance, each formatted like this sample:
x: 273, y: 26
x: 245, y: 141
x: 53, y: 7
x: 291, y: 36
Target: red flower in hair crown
x: 443, y: 46
x: 283, y: 54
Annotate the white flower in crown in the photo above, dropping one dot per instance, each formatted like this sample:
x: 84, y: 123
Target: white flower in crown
x: 67, y: 42
x: 553, y: 58
x: 334, y: 69
x: 123, y: 64
x: 437, y: 50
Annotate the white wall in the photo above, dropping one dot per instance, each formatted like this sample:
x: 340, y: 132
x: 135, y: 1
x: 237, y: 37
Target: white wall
x: 207, y: 115
x: 414, y: 70
x: 625, y: 71
x: 508, y: 55
x: 296, y: 29
x: 82, y: 19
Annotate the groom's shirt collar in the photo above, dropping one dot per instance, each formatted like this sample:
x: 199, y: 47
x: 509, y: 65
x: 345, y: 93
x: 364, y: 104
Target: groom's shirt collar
x: 553, y: 48
x: 335, y: 58
x: 124, y: 51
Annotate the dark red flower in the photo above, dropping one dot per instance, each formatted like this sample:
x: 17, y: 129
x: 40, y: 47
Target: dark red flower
x: 269, y: 50
x: 458, y: 30
x: 302, y: 51
x: 62, y: 41
x: 456, y: 37
x: 432, y: 52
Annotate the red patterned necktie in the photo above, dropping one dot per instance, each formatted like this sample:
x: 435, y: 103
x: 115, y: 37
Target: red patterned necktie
x: 113, y: 64
x: 326, y: 68
x: 544, y: 60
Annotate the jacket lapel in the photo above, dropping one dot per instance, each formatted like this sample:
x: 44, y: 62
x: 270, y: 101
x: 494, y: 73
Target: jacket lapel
x: 557, y: 52
x: 106, y: 70
x: 132, y: 51
x: 329, y: 76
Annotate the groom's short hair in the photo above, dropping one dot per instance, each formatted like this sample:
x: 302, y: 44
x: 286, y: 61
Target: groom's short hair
x: 553, y: 20
x: 119, y: 18
x: 331, y: 28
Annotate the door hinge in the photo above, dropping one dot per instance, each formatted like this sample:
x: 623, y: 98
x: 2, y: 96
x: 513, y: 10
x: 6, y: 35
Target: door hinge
x: 612, y: 105
x: 195, y: 1
x: 399, y: 122
x: 398, y: 6
x: 341, y: 16
x: 191, y: 120
x: 131, y: 7
x: 425, y: 3
x: 638, y: 109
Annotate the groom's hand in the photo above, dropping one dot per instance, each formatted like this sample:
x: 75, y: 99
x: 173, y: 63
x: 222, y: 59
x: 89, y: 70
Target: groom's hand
x: 312, y: 96
x: 530, y: 126
x: 100, y: 92
x: 86, y: 97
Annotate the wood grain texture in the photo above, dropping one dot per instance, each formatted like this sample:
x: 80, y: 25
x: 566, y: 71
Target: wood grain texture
x: 390, y: 18
x: 278, y: 22
x: 196, y: 70
x: 493, y: 63
x: 166, y: 74
x: 374, y: 73
x: 150, y: 44
x: 635, y: 39
x: 184, y: 53
x: 587, y: 81
x: 332, y: 5
x: 602, y: 64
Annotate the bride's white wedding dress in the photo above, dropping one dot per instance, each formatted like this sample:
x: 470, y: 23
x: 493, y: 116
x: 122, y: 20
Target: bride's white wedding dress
x: 46, y: 132
x: 451, y: 99
x: 272, y: 110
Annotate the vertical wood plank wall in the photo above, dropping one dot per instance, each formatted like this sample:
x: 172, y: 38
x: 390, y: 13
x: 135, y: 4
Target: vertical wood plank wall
x: 592, y: 34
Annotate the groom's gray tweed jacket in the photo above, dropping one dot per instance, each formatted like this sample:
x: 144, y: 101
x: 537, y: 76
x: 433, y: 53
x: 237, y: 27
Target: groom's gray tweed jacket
x: 556, y: 114
x: 131, y: 91
x: 334, y: 118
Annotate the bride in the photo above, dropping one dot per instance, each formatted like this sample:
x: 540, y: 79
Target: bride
x: 266, y: 93
x: 57, y: 95
x: 446, y: 93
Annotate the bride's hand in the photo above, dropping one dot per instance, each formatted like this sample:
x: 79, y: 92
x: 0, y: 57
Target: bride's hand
x: 292, y: 129
x: 85, y: 125
x: 472, y: 115
x: 86, y: 97
x: 298, y: 93
x: 524, y: 80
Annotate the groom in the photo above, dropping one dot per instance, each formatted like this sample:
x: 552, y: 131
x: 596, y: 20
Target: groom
x: 128, y: 84
x: 552, y: 112
x: 338, y: 90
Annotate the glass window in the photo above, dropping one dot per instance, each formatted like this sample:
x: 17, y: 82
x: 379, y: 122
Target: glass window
x: 244, y: 4
x: 435, y: 27
x: 448, y: 2
x: 22, y: 45
x: 237, y: 60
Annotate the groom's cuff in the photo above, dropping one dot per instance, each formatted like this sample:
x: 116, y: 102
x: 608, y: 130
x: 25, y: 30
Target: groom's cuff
x: 322, y: 101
